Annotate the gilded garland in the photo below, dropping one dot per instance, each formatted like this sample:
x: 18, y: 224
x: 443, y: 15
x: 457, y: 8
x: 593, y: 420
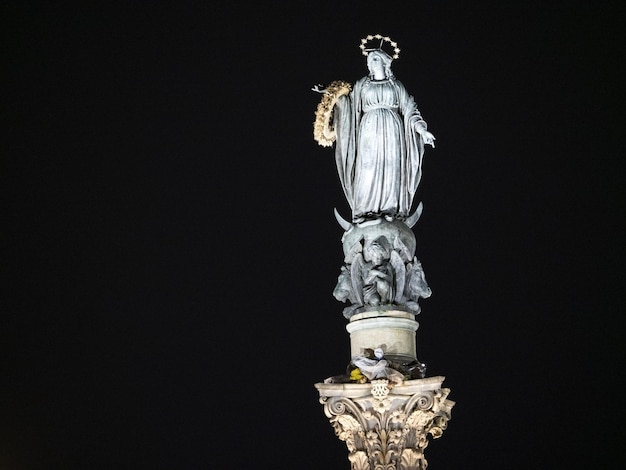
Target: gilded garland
x: 323, y: 130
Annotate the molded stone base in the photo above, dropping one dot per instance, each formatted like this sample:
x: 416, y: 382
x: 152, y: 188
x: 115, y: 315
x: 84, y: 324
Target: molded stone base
x: 391, y: 330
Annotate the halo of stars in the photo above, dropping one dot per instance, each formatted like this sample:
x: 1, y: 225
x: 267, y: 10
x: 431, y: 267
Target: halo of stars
x: 387, y: 39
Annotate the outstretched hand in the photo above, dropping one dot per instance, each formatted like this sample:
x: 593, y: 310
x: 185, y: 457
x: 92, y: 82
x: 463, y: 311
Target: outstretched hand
x: 319, y: 88
x: 429, y: 139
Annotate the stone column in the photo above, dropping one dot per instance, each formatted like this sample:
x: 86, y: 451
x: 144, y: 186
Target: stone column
x: 382, y: 407
x: 386, y: 427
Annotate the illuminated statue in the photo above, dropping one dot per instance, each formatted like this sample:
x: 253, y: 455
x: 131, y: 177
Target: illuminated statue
x: 383, y: 406
x: 379, y: 138
x: 379, y: 135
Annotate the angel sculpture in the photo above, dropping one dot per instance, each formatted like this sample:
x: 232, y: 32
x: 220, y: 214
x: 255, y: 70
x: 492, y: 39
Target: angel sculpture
x: 381, y: 272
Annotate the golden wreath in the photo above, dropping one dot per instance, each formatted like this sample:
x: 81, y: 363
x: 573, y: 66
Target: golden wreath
x: 323, y: 131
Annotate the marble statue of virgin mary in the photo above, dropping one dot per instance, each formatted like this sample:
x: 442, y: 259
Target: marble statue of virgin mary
x: 379, y: 143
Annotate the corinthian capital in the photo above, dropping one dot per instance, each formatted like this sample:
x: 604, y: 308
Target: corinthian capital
x: 387, y: 426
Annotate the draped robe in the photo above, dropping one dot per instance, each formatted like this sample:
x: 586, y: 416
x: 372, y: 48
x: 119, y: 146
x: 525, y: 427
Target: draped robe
x: 378, y: 148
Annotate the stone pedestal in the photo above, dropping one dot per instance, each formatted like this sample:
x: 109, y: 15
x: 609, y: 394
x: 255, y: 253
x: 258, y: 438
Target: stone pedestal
x: 391, y: 330
x: 387, y: 427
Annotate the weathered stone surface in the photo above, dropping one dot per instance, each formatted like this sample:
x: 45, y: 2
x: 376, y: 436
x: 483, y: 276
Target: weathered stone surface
x: 379, y: 137
x: 391, y: 330
x: 387, y: 427
x: 380, y: 268
x: 378, y: 406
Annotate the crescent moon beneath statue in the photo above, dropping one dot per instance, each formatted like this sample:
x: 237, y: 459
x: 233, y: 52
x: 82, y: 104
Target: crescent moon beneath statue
x: 342, y: 222
x: 414, y: 217
x: 410, y: 221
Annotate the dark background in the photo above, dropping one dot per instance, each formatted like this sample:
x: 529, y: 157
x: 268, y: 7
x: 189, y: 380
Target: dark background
x: 169, y: 249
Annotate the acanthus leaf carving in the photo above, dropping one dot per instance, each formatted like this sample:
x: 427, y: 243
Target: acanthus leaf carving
x: 389, y: 428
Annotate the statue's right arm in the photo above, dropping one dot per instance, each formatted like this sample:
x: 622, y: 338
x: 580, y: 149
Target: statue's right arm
x: 318, y: 88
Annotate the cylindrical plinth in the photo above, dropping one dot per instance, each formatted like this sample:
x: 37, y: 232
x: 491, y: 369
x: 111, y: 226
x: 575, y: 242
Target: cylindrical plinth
x: 391, y: 330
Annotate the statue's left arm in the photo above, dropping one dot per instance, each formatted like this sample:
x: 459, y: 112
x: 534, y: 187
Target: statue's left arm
x: 408, y: 108
x: 416, y: 136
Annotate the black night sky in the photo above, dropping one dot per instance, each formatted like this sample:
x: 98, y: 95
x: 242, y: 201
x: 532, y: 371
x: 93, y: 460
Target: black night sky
x: 169, y: 247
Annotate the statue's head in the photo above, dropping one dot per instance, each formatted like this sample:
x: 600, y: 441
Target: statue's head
x: 379, y: 60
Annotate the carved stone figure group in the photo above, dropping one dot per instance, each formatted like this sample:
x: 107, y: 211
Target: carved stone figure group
x: 379, y: 138
x: 380, y: 268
